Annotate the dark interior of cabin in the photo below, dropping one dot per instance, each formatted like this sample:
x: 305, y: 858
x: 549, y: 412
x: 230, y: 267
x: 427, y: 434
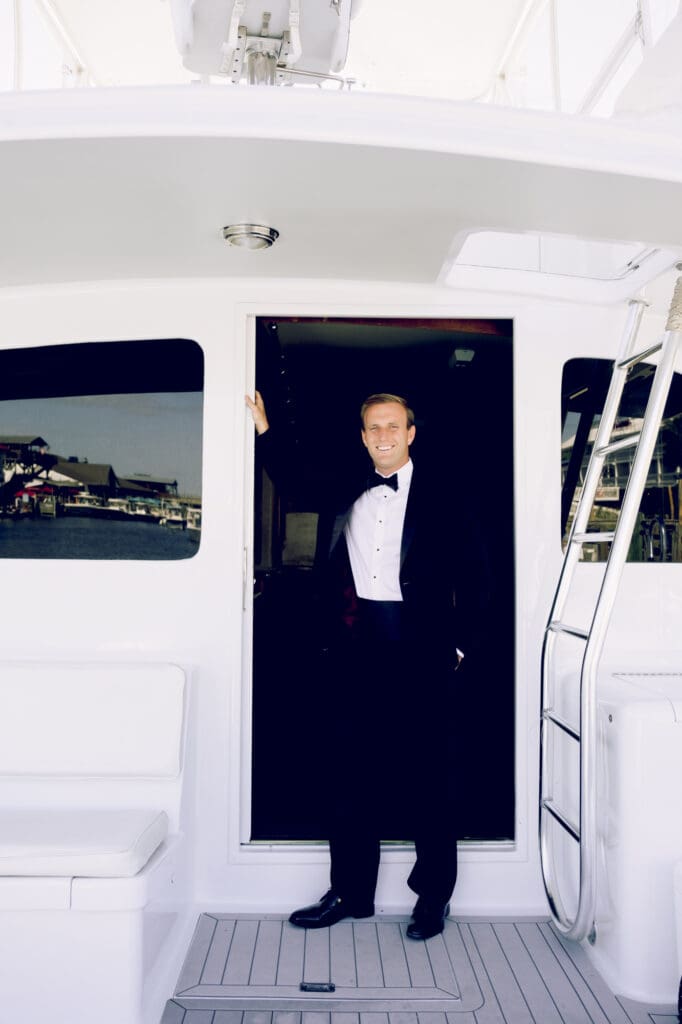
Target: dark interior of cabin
x: 314, y: 375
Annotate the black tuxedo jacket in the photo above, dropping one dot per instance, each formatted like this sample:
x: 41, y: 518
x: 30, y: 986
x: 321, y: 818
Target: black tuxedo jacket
x: 444, y: 570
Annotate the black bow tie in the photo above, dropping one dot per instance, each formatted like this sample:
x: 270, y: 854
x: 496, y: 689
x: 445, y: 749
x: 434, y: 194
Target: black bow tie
x: 375, y: 480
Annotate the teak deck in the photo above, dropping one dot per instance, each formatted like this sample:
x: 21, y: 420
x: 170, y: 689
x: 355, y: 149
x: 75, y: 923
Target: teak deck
x: 244, y: 969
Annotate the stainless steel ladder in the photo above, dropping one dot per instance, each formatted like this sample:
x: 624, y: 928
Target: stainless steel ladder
x: 552, y: 724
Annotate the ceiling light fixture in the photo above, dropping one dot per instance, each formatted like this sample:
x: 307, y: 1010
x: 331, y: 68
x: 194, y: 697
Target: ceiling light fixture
x: 461, y: 357
x: 250, y: 236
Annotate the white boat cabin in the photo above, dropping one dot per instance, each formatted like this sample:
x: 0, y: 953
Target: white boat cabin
x: 480, y: 209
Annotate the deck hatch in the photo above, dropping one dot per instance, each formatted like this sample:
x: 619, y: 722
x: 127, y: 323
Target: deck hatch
x: 241, y: 963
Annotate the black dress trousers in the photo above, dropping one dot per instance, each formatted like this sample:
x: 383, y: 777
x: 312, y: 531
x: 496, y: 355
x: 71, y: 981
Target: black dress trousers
x: 391, y: 753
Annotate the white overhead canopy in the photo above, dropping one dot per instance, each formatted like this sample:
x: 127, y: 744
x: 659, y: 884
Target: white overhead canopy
x: 138, y: 184
x: 565, y: 54
x: 131, y: 42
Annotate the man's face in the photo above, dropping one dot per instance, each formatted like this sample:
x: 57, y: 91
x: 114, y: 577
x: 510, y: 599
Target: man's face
x: 387, y: 437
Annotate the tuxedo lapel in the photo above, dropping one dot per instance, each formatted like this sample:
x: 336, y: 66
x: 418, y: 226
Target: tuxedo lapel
x: 338, y: 527
x: 410, y: 523
x: 343, y: 510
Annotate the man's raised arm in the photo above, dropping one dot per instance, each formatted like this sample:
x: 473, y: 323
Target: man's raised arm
x: 257, y: 408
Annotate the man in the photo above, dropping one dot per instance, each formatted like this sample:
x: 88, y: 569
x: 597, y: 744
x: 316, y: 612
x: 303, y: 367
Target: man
x: 405, y: 590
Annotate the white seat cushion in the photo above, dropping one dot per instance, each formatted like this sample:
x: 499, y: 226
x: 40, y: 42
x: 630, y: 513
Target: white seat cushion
x: 85, y: 843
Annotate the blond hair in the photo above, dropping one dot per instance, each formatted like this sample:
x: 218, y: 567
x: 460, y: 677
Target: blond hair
x: 381, y: 399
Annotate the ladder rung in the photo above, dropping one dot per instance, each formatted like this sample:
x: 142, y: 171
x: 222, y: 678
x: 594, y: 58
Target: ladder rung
x: 625, y: 364
x: 559, y: 627
x: 562, y: 819
x: 550, y: 716
x: 592, y: 538
x: 615, y: 446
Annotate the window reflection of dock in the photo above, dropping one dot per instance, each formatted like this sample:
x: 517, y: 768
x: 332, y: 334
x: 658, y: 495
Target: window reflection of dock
x: 658, y: 536
x: 36, y: 483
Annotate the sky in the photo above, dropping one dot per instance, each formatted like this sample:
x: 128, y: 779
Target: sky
x: 156, y: 434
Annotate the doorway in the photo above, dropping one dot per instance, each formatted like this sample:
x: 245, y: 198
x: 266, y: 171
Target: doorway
x: 314, y: 374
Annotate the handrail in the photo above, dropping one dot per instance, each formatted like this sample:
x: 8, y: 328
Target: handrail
x: 582, y: 925
x: 577, y: 928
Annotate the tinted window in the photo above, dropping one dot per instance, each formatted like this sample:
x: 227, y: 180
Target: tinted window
x: 658, y: 535
x: 100, y: 450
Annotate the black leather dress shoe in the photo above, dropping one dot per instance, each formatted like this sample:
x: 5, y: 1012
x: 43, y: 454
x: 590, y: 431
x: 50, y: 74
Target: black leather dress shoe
x: 330, y: 909
x: 428, y: 919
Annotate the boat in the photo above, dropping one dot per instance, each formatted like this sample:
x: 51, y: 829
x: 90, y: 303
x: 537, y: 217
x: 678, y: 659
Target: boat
x: 173, y: 516
x: 118, y: 508
x: 204, y: 198
x: 145, y: 509
x: 193, y: 519
x: 83, y: 503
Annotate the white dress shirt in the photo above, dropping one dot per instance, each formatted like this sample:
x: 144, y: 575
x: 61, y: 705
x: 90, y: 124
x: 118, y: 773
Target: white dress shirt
x: 374, y: 534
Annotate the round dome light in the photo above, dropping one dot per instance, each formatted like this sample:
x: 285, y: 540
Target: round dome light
x: 250, y: 236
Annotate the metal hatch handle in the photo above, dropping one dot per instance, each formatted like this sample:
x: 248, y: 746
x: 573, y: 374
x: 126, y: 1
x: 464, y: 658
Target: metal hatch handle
x: 585, y: 833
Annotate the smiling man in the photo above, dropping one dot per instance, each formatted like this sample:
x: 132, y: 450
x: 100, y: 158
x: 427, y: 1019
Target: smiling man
x: 387, y: 432
x: 406, y: 589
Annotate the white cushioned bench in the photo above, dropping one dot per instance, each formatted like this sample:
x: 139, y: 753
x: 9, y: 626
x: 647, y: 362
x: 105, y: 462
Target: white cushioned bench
x: 93, y: 844
x: 91, y: 771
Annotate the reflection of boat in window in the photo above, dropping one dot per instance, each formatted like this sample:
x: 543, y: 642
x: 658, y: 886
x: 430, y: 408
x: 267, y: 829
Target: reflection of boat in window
x: 194, y: 519
x: 84, y: 504
x: 659, y: 535
x: 118, y: 508
x: 173, y: 516
x: 145, y: 509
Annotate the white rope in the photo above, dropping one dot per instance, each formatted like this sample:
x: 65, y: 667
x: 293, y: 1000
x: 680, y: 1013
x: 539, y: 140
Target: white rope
x: 675, y: 315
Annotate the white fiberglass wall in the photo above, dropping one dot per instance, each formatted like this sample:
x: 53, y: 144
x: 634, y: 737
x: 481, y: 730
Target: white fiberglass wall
x: 190, y: 611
